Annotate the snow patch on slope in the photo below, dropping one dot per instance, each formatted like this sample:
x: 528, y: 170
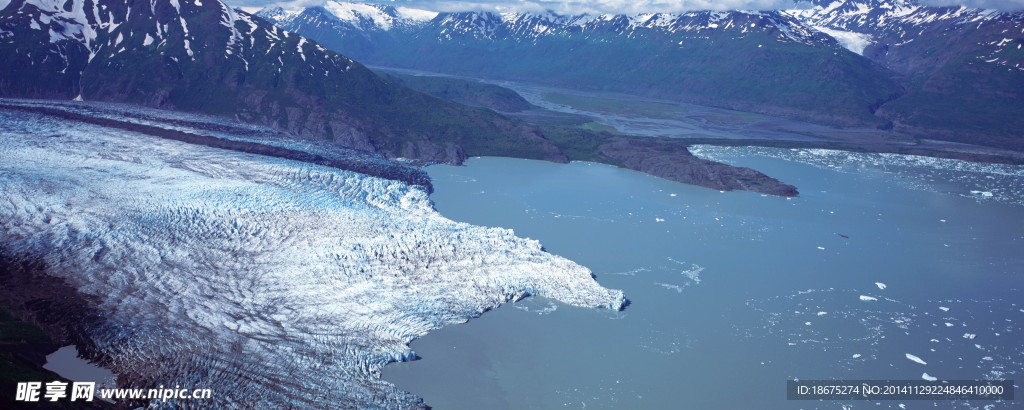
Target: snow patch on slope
x: 71, y: 25
x: 855, y: 42
x: 228, y: 18
x: 353, y: 12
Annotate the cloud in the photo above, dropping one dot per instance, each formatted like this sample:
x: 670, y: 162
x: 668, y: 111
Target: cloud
x: 567, y: 7
x: 294, y: 4
x: 1002, y: 5
x: 612, y: 6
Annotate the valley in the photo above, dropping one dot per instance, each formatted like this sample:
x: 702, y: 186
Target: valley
x: 623, y: 114
x: 933, y: 73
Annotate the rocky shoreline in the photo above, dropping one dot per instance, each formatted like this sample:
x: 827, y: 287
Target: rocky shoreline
x: 673, y: 161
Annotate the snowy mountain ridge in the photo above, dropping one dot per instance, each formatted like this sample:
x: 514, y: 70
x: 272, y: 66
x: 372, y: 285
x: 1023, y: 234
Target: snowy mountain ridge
x: 526, y: 26
x: 850, y: 22
x: 106, y: 29
x: 897, y: 23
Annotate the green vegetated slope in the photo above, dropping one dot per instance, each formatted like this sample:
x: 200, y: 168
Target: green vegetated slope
x: 963, y: 68
x: 971, y: 95
x: 468, y: 92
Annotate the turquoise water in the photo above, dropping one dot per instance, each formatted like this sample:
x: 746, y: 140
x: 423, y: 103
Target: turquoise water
x: 734, y: 293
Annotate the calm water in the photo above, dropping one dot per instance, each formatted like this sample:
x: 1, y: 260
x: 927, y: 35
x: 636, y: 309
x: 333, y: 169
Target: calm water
x: 734, y: 293
x: 65, y: 362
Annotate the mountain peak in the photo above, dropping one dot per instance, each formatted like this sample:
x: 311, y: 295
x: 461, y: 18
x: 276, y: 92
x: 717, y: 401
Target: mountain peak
x: 279, y: 14
x: 365, y: 16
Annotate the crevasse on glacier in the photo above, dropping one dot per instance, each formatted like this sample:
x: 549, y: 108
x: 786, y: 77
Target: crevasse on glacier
x: 267, y: 280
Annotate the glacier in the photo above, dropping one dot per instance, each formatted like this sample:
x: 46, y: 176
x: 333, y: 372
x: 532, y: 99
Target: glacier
x: 269, y: 280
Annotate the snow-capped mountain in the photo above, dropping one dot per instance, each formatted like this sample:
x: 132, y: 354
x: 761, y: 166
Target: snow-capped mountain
x: 369, y: 17
x: 845, y: 62
x: 895, y: 32
x: 202, y: 56
x: 754, y: 60
x: 360, y: 15
x: 963, y: 67
x: 525, y: 27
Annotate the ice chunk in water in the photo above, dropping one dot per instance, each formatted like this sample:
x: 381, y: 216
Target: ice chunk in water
x: 916, y: 359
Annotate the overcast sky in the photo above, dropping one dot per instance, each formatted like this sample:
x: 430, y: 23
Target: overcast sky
x: 607, y: 6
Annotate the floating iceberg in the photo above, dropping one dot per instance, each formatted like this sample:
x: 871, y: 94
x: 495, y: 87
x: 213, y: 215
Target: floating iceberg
x: 915, y: 359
